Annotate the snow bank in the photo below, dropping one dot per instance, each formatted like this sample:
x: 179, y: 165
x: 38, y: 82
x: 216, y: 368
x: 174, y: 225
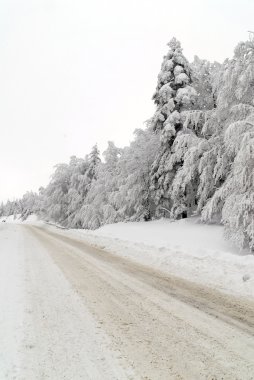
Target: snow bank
x: 184, y: 248
x: 184, y: 234
x: 11, y: 219
x: 31, y: 219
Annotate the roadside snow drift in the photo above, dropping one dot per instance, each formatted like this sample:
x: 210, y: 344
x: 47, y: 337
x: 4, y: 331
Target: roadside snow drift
x: 186, y: 248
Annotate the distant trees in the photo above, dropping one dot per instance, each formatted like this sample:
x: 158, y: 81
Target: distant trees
x: 23, y: 207
x: 66, y: 192
x: 99, y: 206
x: 195, y: 156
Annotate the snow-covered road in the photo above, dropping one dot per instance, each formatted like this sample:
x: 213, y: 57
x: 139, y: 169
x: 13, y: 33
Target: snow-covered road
x: 72, y: 311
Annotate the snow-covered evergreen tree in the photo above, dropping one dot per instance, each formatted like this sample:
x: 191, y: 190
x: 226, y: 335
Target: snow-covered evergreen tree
x: 196, y: 155
x: 238, y: 190
x: 99, y: 207
x: 27, y: 205
x: 93, y: 162
x: 203, y: 76
x: 78, y: 189
x: 174, y: 94
x: 231, y: 202
x: 1, y: 209
x: 56, y: 194
x: 134, y: 198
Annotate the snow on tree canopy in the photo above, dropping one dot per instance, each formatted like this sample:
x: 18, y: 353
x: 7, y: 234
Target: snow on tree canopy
x: 174, y: 94
x: 172, y: 91
x: 195, y: 156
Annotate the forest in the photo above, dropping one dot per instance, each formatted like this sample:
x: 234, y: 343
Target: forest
x: 195, y: 156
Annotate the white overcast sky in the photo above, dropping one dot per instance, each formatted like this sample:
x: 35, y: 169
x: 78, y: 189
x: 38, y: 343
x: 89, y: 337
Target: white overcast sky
x: 77, y: 72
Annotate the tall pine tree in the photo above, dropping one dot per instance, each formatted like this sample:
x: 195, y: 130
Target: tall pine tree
x: 174, y: 94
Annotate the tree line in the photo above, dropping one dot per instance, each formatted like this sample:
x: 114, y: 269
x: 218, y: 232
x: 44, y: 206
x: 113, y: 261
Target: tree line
x: 194, y: 157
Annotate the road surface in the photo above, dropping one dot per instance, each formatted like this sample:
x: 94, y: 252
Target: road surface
x: 79, y: 312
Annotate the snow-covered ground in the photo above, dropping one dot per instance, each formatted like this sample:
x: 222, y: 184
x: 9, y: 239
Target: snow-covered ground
x: 12, y: 301
x: 72, y: 311
x: 46, y: 332
x: 16, y: 219
x: 185, y: 248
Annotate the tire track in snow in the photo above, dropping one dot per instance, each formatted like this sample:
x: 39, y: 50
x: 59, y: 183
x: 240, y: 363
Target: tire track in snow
x: 156, y: 320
